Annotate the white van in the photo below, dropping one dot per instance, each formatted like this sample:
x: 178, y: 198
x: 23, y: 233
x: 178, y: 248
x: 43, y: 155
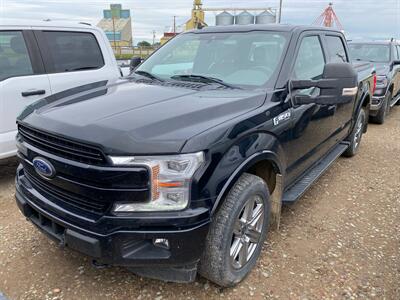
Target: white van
x: 41, y: 58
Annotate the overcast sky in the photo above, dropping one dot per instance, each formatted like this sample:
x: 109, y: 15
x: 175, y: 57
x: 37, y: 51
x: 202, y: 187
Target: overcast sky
x: 360, y: 18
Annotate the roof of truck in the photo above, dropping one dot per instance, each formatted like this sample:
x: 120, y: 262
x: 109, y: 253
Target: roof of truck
x: 375, y: 42
x: 261, y: 27
x: 43, y: 23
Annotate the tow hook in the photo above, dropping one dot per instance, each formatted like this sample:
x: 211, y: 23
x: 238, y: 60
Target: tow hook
x: 99, y: 265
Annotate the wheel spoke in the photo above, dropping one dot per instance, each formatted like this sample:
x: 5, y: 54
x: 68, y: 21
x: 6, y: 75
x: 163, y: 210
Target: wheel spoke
x: 254, y: 234
x: 257, y: 214
x: 235, y: 248
x: 248, y: 210
x: 243, y: 253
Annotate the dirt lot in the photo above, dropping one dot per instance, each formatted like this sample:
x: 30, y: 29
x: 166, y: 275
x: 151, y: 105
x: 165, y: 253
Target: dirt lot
x: 341, y: 241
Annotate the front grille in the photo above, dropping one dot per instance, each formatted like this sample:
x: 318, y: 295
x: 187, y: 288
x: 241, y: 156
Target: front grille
x: 62, y: 197
x: 62, y: 147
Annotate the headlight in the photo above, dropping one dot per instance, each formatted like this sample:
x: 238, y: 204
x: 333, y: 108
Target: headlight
x: 170, y: 181
x: 381, y: 81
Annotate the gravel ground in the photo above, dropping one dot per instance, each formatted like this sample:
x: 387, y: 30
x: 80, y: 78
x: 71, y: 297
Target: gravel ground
x: 341, y: 241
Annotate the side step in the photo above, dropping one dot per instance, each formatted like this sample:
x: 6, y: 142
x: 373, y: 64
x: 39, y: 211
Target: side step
x: 301, y: 186
x: 393, y: 103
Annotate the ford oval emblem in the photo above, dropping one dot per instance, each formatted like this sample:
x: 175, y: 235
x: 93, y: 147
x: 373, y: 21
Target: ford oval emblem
x: 44, y: 168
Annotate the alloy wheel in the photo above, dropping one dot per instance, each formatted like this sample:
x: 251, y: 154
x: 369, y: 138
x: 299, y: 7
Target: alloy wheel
x: 247, y: 232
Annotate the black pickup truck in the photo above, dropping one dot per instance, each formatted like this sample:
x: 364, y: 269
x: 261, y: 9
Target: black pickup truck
x: 182, y: 167
x: 385, y: 55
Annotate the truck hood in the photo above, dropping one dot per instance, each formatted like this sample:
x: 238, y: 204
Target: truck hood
x: 136, y: 118
x: 380, y: 68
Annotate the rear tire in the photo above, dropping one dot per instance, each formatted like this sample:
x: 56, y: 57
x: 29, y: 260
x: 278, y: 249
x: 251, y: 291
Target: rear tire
x: 356, y: 135
x: 237, y: 233
x: 383, y: 111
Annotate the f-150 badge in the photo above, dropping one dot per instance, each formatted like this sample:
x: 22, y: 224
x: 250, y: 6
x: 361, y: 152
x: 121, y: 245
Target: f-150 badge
x: 282, y: 117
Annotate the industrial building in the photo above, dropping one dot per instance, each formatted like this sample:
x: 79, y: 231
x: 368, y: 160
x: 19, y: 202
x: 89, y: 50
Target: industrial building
x: 117, y: 24
x: 238, y: 16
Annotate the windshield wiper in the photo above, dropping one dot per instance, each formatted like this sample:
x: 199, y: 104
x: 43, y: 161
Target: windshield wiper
x: 148, y: 75
x: 367, y: 60
x: 203, y: 79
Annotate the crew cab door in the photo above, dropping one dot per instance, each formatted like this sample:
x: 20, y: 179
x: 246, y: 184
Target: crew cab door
x: 75, y: 58
x: 396, y: 72
x: 22, y: 82
x: 316, y: 128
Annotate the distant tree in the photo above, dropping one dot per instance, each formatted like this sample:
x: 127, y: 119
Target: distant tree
x: 144, y: 44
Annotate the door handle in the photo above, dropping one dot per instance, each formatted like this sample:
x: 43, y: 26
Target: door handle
x: 33, y: 93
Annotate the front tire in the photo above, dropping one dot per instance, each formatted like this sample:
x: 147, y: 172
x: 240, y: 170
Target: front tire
x: 356, y: 135
x: 237, y: 232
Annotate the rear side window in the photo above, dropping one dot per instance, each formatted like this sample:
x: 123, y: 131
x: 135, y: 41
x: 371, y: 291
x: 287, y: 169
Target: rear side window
x: 73, y: 51
x: 310, y: 61
x: 336, y: 50
x: 14, y: 57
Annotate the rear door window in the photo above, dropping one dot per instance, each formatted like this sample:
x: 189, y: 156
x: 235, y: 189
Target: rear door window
x: 72, y: 51
x: 14, y: 56
x: 336, y: 50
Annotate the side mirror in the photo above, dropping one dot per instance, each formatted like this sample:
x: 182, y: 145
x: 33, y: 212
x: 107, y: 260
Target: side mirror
x: 396, y: 62
x: 338, y: 85
x: 135, y: 62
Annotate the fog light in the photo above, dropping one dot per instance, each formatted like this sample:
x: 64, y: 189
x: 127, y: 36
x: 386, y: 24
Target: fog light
x: 162, y: 243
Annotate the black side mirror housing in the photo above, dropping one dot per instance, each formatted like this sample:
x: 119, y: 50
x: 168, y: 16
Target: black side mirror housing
x: 338, y: 85
x: 396, y: 62
x: 135, y: 62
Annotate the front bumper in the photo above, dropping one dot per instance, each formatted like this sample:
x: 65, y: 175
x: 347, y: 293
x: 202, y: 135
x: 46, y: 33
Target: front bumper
x: 119, y: 244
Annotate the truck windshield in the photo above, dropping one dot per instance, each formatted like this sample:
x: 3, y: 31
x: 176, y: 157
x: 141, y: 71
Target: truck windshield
x: 370, y: 52
x: 247, y: 59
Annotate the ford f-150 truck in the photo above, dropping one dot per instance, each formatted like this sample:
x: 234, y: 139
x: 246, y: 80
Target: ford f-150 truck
x: 385, y: 55
x: 181, y: 167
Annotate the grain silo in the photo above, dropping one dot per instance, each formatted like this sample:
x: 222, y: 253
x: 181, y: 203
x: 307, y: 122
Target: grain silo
x: 244, y: 18
x: 224, y: 18
x: 266, y: 18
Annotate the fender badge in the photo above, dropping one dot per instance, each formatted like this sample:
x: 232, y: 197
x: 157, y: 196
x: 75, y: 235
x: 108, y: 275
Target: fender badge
x: 282, y: 117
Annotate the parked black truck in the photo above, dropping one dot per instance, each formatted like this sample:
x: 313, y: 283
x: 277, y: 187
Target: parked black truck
x: 385, y: 56
x: 181, y: 167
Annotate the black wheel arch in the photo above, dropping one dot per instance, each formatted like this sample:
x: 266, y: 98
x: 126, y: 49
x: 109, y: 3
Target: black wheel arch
x: 249, y: 166
x: 364, y: 103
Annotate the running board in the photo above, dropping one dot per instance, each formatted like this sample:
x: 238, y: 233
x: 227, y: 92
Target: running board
x: 393, y: 103
x: 300, y: 187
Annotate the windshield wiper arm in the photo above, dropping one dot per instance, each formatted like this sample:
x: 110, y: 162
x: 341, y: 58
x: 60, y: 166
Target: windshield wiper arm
x: 148, y: 75
x: 204, y: 79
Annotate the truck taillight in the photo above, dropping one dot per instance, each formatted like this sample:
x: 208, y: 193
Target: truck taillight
x: 374, y: 87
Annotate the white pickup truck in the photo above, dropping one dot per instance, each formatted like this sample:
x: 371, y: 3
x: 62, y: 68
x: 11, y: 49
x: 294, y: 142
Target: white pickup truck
x: 41, y: 58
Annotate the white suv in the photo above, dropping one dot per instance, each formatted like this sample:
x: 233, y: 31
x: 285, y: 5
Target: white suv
x: 41, y: 58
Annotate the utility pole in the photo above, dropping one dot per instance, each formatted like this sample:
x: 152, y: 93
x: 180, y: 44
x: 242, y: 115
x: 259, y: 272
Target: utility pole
x: 154, y: 37
x: 280, y: 11
x: 175, y: 25
x: 113, y: 22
